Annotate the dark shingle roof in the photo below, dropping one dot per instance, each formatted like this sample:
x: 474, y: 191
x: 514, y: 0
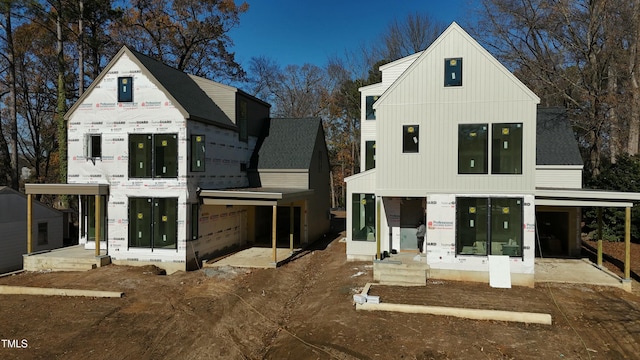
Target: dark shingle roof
x: 290, y: 144
x: 556, y: 143
x: 187, y: 93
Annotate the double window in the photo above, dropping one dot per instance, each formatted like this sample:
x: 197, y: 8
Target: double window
x: 153, y: 223
x: 363, y: 217
x: 489, y: 226
x: 153, y: 155
x: 506, y: 148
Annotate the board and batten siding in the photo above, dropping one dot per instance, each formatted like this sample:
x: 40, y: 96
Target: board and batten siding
x: 489, y: 94
x: 363, y: 183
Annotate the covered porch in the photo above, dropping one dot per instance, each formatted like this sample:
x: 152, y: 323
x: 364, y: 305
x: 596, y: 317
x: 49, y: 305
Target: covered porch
x: 555, y: 198
x: 73, y: 257
x: 295, y: 200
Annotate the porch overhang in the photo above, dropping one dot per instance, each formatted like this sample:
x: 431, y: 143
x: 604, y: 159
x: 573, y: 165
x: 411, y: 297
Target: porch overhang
x: 273, y: 197
x: 66, y: 189
x: 599, y: 199
x: 96, y: 190
x: 254, y: 196
x: 585, y: 197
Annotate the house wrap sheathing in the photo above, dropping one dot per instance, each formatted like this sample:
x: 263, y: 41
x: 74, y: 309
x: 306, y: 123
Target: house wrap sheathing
x: 158, y: 138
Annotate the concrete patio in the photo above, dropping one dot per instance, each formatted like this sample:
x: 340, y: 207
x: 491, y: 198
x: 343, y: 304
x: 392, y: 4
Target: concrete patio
x: 72, y: 258
x: 254, y: 257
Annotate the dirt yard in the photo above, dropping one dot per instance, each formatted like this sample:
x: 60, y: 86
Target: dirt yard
x: 304, y: 310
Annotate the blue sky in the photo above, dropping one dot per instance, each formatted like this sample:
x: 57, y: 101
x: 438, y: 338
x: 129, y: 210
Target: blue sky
x: 301, y: 31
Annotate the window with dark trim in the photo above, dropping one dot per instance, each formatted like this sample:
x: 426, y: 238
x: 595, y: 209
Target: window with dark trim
x: 489, y: 226
x: 370, y: 112
x: 453, y: 72
x: 125, y: 89
x: 243, y: 118
x: 43, y: 233
x: 363, y: 217
x: 195, y: 218
x: 94, y: 146
x: 153, y: 155
x: 472, y: 149
x: 506, y: 149
x: 153, y: 223
x: 198, y: 144
x: 370, y: 155
x: 410, y: 138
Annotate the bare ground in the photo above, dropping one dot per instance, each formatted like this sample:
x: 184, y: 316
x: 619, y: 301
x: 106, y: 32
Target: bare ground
x: 304, y: 310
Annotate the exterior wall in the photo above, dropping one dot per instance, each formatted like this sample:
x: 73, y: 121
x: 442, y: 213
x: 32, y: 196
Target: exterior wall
x: 367, y: 127
x: 292, y: 179
x: 441, y: 237
x: 364, y: 183
x: 151, y: 112
x: 559, y: 177
x: 317, y: 208
x: 490, y: 94
x: 220, y: 228
x: 13, y: 227
x: 224, y: 96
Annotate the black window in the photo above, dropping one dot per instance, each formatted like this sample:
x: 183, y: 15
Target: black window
x: 125, y: 89
x: 43, y: 233
x: 197, y: 152
x: 489, y: 226
x: 472, y: 149
x: 410, y: 138
x: 153, y: 223
x: 506, y: 149
x: 453, y: 72
x: 363, y: 217
x: 94, y: 146
x: 153, y: 156
x: 370, y: 113
x: 370, y: 155
x: 243, y: 118
x: 195, y: 218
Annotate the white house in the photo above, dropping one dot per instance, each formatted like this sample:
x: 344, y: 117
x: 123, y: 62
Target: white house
x: 452, y: 138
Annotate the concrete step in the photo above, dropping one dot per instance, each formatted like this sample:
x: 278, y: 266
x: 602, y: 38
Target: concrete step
x: 403, y: 280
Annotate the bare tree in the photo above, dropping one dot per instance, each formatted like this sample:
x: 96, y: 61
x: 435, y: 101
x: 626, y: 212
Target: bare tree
x: 408, y: 36
x: 569, y: 53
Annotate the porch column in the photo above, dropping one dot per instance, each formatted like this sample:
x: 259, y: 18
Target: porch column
x: 378, y: 228
x: 627, y: 244
x: 291, y: 218
x: 599, y: 237
x: 274, y: 223
x: 29, y: 223
x: 98, y: 230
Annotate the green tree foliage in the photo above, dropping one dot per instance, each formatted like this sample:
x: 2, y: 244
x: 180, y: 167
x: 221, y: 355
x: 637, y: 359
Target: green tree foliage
x: 621, y: 175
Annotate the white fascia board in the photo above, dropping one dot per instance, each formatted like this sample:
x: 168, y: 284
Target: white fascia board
x: 560, y: 167
x: 370, y: 172
x: 581, y: 203
x: 587, y: 194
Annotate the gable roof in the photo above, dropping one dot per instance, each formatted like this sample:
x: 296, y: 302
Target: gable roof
x: 555, y: 141
x: 290, y: 143
x: 454, y: 27
x: 185, y: 94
